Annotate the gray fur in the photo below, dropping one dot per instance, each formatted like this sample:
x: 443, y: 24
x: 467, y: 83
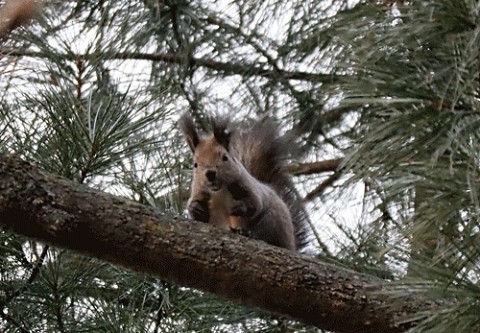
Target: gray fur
x: 256, y: 189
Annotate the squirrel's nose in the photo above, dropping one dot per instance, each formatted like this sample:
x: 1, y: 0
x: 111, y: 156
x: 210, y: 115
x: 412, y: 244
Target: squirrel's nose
x: 211, y: 175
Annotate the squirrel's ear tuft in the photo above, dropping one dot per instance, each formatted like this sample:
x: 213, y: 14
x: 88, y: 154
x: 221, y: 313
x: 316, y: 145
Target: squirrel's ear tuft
x: 189, y: 131
x: 221, y: 131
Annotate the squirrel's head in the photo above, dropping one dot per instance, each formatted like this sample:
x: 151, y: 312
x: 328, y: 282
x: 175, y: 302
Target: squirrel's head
x: 213, y: 162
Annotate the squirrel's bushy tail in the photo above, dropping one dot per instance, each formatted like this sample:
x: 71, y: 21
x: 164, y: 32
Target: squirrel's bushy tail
x: 263, y: 152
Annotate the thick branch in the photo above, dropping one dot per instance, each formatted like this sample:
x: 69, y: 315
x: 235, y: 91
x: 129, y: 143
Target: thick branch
x: 36, y: 204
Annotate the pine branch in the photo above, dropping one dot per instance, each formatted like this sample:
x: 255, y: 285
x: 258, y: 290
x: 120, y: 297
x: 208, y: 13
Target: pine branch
x: 313, y: 168
x: 36, y: 204
x: 33, y: 275
x: 320, y: 188
x: 13, y: 322
x: 228, y: 68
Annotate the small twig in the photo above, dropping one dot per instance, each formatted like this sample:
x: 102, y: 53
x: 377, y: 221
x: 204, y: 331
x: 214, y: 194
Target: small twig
x: 32, y: 277
x: 12, y: 321
x: 320, y: 188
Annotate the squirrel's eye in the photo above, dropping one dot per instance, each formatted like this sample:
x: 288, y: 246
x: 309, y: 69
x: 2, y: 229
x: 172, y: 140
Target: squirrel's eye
x: 195, y: 164
x: 225, y: 157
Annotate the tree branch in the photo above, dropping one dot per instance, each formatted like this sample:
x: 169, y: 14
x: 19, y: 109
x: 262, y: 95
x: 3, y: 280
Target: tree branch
x: 313, y: 168
x: 36, y: 204
x: 322, y: 187
x: 229, y: 68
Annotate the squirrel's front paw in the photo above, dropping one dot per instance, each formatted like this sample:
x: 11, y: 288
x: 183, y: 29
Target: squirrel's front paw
x: 239, y: 208
x: 243, y: 208
x: 198, y: 210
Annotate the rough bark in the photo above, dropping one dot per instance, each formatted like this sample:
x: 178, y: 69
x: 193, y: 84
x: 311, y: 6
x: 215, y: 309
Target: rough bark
x: 36, y: 204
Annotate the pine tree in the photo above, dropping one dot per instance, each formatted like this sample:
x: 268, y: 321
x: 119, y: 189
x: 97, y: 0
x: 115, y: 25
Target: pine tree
x: 417, y: 73
x: 381, y: 94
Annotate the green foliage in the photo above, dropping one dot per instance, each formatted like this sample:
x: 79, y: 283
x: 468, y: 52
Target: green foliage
x: 92, y: 91
x: 416, y: 141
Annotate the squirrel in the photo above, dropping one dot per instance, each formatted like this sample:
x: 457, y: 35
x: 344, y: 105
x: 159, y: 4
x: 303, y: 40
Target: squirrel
x: 238, y: 183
